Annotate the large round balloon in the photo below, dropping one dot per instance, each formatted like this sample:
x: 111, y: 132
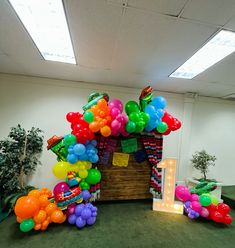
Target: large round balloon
x: 205, y: 200
x: 27, y: 206
x: 60, y: 169
x: 94, y: 176
x: 162, y: 127
x: 60, y: 187
x: 182, y: 193
x: 131, y: 106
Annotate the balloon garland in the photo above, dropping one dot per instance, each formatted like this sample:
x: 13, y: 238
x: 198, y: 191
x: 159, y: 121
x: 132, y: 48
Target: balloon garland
x: 76, y: 152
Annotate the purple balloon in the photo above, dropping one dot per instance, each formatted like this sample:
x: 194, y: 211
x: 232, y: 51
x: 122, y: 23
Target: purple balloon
x: 196, y: 215
x: 94, y: 214
x: 191, y: 216
x: 89, y: 205
x: 80, y: 223
x: 94, y: 209
x: 187, y: 204
x: 78, y: 209
x: 60, y: 187
x: 86, y: 195
x: 86, y: 213
x: 72, y: 219
x: 91, y: 220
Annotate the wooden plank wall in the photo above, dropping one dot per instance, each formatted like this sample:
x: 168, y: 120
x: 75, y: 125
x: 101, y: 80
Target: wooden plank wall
x: 125, y: 183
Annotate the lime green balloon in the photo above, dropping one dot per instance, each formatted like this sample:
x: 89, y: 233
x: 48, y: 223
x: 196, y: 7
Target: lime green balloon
x: 162, y: 127
x: 84, y: 185
x: 94, y: 176
x: 134, y: 116
x: 89, y: 116
x: 214, y: 199
x: 140, y: 125
x: 131, y: 106
x: 130, y: 127
x: 205, y: 200
x: 27, y: 225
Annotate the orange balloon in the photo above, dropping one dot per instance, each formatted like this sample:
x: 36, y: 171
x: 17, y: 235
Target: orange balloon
x: 105, y: 131
x: 94, y: 126
x: 40, y: 217
x: 45, y: 191
x: 18, y: 219
x: 37, y: 226
x: 50, y: 208
x: 45, y: 224
x: 108, y: 119
x: 27, y: 206
x: 102, y: 103
x: 43, y: 199
x: 35, y: 192
x: 57, y: 216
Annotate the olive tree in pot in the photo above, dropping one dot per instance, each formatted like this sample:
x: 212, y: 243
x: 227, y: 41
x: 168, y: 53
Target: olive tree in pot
x: 202, y: 161
x: 19, y: 157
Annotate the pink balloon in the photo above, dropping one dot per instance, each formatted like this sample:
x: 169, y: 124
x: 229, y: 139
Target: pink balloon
x: 60, y: 187
x: 182, y: 193
x: 204, y: 212
x: 115, y: 125
x: 194, y: 197
x: 196, y: 206
x: 114, y: 112
x: 116, y: 103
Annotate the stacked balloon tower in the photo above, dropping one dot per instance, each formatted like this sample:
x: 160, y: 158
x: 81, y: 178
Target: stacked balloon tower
x: 76, y: 152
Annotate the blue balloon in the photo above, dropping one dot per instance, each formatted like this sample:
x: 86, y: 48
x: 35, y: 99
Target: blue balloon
x: 160, y: 113
x: 94, y: 158
x: 150, y: 110
x: 79, y: 149
x: 72, y: 158
x: 83, y: 157
x: 158, y: 102
x: 94, y: 142
x: 148, y: 128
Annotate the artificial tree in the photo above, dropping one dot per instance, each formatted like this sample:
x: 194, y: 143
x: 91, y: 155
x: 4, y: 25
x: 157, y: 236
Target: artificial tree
x: 19, y: 156
x: 201, y: 161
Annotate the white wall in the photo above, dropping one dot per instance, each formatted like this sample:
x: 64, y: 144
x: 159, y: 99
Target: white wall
x: 43, y: 103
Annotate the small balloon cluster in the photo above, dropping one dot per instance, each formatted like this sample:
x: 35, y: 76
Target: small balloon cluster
x: 35, y: 211
x: 82, y: 214
x: 204, y: 205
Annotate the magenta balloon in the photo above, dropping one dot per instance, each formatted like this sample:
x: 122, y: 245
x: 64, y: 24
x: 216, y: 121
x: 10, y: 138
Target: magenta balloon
x: 60, y: 187
x: 182, y: 193
x: 196, y: 206
x: 114, y: 112
x: 116, y: 103
x: 194, y: 197
x: 204, y: 212
x: 115, y: 125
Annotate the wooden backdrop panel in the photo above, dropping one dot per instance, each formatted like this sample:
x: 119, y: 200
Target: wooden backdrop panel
x: 125, y: 183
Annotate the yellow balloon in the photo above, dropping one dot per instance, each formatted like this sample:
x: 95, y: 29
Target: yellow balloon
x: 83, y: 173
x: 88, y: 165
x: 73, y: 167
x: 60, y: 169
x: 82, y: 167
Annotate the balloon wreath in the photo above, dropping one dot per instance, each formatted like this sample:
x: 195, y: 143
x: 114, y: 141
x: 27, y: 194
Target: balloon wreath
x: 76, y: 152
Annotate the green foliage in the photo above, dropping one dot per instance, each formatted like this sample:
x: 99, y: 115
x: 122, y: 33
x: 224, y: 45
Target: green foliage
x: 201, y: 161
x: 19, y: 156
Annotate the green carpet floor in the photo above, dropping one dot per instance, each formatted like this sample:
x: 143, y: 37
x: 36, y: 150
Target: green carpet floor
x: 128, y: 224
x: 228, y: 195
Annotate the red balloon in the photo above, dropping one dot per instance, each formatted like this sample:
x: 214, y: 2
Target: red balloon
x: 216, y: 216
x: 168, y: 131
x: 212, y: 208
x: 70, y: 116
x: 223, y: 208
x: 177, y: 124
x: 227, y: 219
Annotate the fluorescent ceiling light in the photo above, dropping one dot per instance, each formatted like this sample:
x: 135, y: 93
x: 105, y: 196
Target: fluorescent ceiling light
x: 220, y: 46
x: 46, y: 23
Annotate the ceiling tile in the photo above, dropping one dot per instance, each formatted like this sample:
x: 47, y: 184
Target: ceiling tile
x: 216, y: 12
x: 94, y: 26
x: 169, y: 7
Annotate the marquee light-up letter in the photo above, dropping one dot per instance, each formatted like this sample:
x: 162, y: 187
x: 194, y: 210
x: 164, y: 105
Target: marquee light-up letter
x: 168, y: 203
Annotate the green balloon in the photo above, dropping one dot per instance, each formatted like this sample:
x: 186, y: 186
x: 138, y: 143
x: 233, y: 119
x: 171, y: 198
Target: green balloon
x: 84, y: 185
x: 162, y: 127
x: 94, y: 176
x: 134, y: 116
x: 70, y: 139
x: 27, y: 225
x: 130, y: 127
x: 145, y: 117
x: 131, y: 106
x: 205, y: 200
x: 214, y: 199
x: 140, y: 125
x: 89, y: 116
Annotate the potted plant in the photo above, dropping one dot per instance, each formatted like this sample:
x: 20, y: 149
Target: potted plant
x: 19, y: 156
x: 202, y: 161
